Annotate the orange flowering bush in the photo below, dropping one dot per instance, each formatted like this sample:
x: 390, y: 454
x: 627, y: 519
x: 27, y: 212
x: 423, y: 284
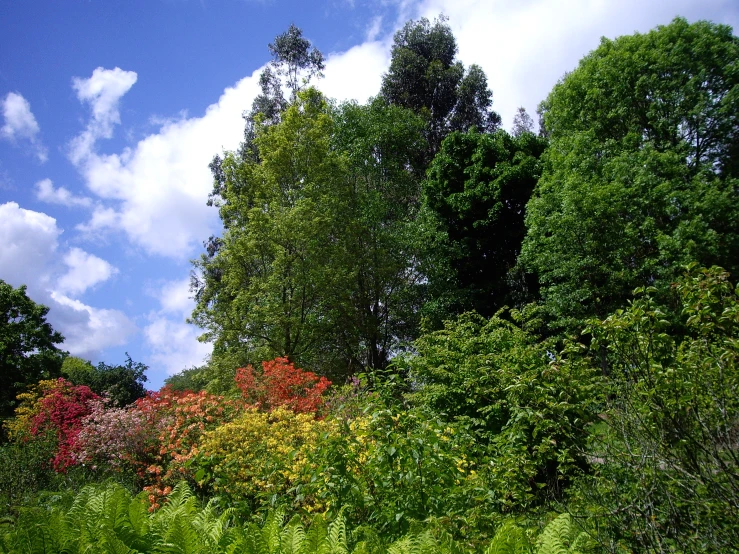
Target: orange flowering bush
x: 280, y: 383
x: 184, y: 417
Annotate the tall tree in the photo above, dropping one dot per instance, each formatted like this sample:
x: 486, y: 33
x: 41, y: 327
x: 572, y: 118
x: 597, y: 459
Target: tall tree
x: 425, y: 77
x: 522, y: 123
x: 264, y: 291
x: 28, y: 345
x: 475, y: 197
x: 640, y: 177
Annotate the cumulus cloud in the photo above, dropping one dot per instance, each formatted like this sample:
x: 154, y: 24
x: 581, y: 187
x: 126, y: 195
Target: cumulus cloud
x: 20, y: 124
x: 173, y: 343
x: 357, y: 73
x: 84, y: 271
x: 102, y: 92
x: 32, y: 256
x: 158, y: 189
x: 46, y: 192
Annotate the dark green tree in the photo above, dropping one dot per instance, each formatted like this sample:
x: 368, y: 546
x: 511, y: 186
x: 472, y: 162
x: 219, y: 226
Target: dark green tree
x: 425, y: 77
x: 28, y: 345
x: 122, y: 384
x: 475, y: 197
x: 640, y: 176
x: 378, y: 312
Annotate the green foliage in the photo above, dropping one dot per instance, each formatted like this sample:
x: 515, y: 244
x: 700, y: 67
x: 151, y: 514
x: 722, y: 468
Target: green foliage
x: 377, y: 311
x: 122, y: 384
x: 193, y: 379
x: 268, y: 286
x: 475, y: 196
x: 640, y: 177
x: 107, y: 519
x: 26, y: 469
x: 670, y: 463
x: 28, y: 351
x: 529, y: 409
x: 391, y: 467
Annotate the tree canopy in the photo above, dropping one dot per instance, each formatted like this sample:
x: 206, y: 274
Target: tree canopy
x: 475, y: 197
x: 426, y: 77
x: 28, y: 345
x: 640, y: 175
x: 122, y: 384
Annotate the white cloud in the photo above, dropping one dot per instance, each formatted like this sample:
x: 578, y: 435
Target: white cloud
x: 159, y: 188
x: 46, y: 192
x: 102, y: 91
x: 85, y: 271
x: 173, y: 342
x: 87, y: 330
x: 31, y: 255
x: 20, y: 123
x: 357, y: 73
x: 175, y: 298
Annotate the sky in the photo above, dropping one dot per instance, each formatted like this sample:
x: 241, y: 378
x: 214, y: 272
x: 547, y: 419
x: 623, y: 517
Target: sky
x: 111, y: 110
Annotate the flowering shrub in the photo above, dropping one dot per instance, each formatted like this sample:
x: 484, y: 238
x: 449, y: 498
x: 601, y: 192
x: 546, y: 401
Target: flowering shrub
x: 392, y: 467
x: 57, y: 407
x: 260, y: 454
x: 119, y: 438
x: 183, y: 418
x: 282, y: 384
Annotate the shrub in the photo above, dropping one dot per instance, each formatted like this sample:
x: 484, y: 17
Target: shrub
x: 282, y: 384
x: 259, y: 455
x: 56, y: 407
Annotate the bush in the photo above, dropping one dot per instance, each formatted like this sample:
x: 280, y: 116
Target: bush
x: 259, y: 456
x: 528, y: 409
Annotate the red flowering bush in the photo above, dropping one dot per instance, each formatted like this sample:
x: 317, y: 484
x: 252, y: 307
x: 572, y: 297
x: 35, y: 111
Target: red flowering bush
x: 55, y: 407
x: 282, y: 384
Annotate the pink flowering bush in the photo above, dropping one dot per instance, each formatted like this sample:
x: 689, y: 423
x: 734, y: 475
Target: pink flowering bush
x: 119, y: 438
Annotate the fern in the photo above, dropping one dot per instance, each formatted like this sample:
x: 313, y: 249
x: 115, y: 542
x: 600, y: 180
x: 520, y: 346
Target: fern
x: 562, y: 537
x: 509, y: 539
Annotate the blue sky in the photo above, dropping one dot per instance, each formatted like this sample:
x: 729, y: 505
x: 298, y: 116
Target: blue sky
x: 111, y: 110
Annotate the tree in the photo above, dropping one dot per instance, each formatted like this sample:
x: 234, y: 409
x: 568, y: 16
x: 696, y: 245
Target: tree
x: 522, y: 123
x: 639, y: 177
x: 378, y: 308
x: 475, y: 196
x: 265, y: 292
x: 425, y: 77
x: 122, y: 384
x: 297, y: 61
x: 28, y: 351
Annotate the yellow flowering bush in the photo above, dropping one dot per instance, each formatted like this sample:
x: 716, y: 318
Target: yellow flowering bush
x: 260, y: 454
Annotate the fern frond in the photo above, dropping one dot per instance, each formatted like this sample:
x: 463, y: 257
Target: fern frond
x: 509, y: 539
